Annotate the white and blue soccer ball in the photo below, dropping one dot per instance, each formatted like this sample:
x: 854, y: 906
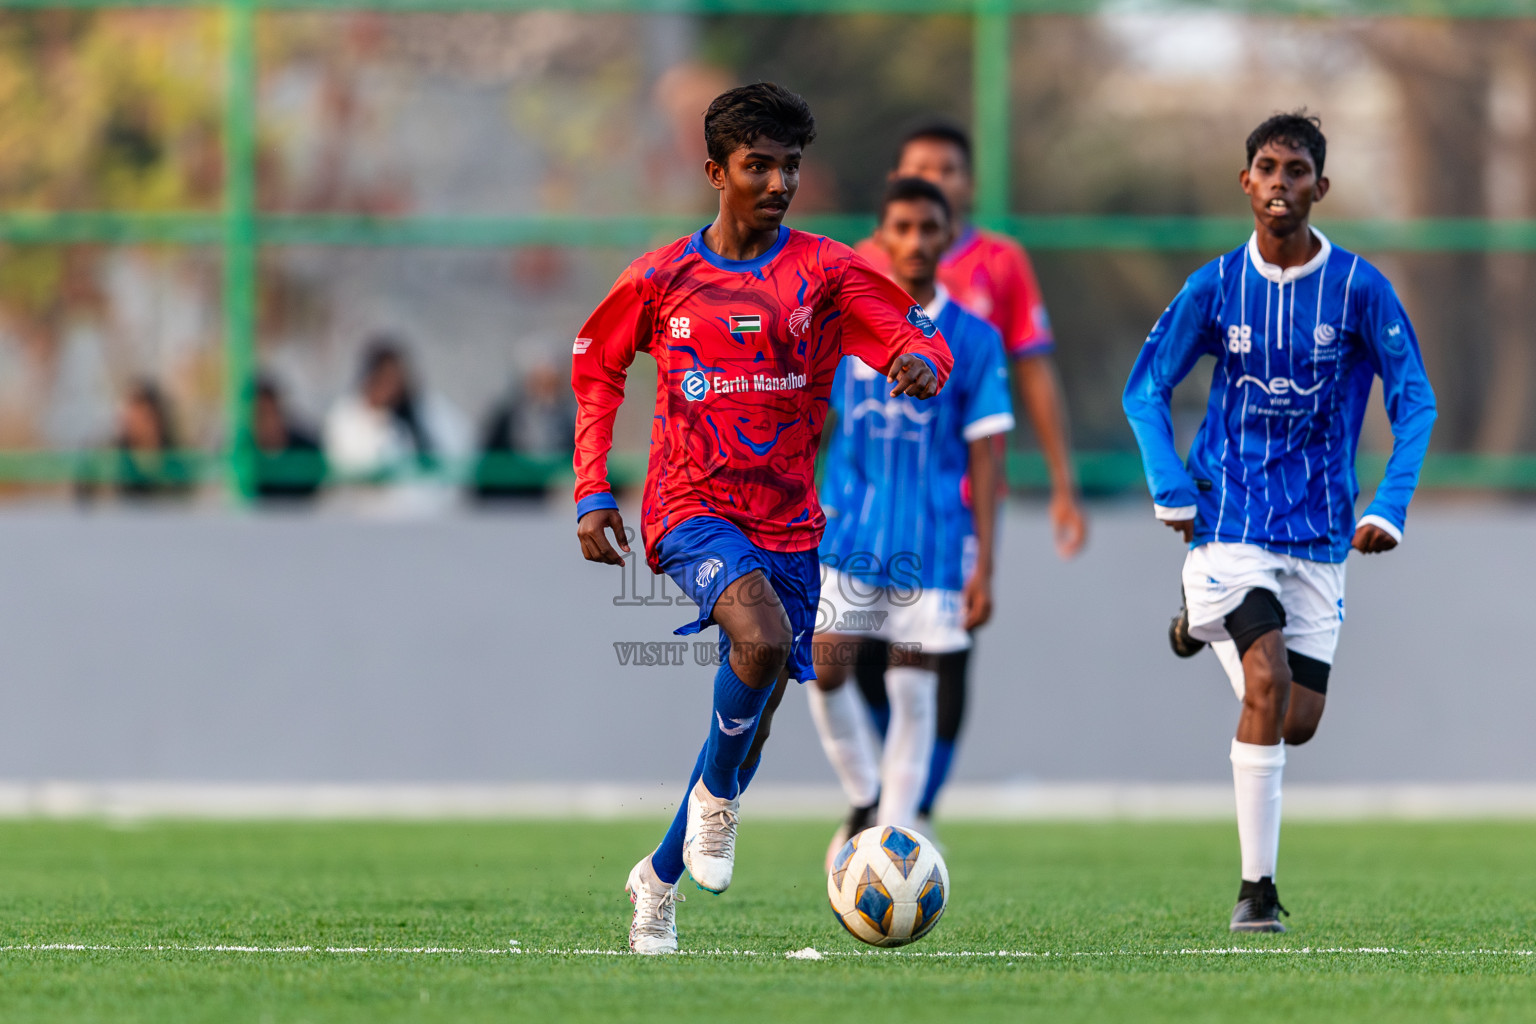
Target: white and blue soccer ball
x: 888, y: 886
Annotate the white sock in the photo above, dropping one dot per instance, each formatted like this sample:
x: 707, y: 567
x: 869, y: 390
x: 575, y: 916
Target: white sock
x: 1226, y: 653
x: 1256, y: 772
x: 848, y: 739
x: 914, y: 695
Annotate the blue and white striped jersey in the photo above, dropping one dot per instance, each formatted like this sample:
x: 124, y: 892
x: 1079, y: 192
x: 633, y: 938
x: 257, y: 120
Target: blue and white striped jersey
x: 1296, y: 351
x: 893, y: 488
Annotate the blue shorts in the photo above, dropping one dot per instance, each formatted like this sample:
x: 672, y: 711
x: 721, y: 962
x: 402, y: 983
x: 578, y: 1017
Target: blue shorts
x: 706, y: 554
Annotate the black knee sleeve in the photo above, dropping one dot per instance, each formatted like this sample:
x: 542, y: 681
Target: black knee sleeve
x: 953, y: 670
x: 869, y: 662
x: 1308, y: 672
x: 1259, y: 613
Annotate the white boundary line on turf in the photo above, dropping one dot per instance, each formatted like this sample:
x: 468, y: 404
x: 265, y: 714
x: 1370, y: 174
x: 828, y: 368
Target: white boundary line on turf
x: 1001, y: 954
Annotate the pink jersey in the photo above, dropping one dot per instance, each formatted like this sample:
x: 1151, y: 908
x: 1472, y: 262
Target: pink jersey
x: 745, y: 354
x: 990, y: 275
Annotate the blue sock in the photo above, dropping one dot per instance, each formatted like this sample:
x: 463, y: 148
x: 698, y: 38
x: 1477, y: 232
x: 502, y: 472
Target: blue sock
x: 938, y: 771
x: 667, y: 861
x: 881, y: 716
x: 737, y: 711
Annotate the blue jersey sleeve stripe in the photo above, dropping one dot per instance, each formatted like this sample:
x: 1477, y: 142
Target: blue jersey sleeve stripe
x: 593, y: 502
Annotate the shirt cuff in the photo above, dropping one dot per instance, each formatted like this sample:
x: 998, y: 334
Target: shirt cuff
x: 1174, y: 515
x: 997, y: 423
x: 593, y: 502
x: 1373, y: 520
x: 931, y: 364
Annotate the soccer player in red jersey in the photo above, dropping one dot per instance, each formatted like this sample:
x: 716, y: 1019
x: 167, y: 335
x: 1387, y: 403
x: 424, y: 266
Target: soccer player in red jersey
x: 747, y: 321
x: 990, y: 275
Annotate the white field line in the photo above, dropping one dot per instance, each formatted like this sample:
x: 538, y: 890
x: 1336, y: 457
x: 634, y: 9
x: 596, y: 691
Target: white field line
x: 1000, y: 954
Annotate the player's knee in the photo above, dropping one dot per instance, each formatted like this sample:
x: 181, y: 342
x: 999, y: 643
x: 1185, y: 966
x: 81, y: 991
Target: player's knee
x: 763, y: 647
x: 1309, y: 689
x: 1267, y: 690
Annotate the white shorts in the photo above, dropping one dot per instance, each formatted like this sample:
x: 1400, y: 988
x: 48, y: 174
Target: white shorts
x: 930, y: 618
x: 1218, y: 575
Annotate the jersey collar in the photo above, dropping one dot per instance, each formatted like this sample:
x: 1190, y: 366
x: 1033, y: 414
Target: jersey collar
x: 1273, y: 273
x: 935, y: 308
x: 696, y: 243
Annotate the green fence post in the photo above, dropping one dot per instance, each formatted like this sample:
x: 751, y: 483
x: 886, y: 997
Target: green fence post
x: 240, y: 245
x: 989, y: 88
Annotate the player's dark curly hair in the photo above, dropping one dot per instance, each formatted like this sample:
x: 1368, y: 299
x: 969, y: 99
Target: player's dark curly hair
x: 941, y: 131
x: 906, y: 190
x: 1299, y: 130
x: 748, y: 112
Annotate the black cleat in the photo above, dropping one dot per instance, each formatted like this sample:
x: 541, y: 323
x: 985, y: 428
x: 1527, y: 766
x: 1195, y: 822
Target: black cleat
x: 1258, y: 907
x: 1184, y: 645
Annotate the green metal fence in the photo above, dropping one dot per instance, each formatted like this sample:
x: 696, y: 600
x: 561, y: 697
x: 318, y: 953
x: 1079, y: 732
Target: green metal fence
x: 239, y: 230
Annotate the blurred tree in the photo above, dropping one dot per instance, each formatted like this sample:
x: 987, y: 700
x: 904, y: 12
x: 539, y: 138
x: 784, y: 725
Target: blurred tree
x: 104, y: 110
x: 110, y: 109
x: 866, y: 77
x: 1469, y: 150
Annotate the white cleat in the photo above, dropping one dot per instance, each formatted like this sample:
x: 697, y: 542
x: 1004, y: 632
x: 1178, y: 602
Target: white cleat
x: 709, y: 841
x: 654, y: 928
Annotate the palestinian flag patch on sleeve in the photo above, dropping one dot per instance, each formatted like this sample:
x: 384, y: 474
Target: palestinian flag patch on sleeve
x: 751, y: 323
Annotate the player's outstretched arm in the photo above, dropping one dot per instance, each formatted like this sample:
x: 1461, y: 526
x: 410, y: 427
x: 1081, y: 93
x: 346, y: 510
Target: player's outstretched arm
x: 913, y: 376
x: 600, y: 359
x: 592, y: 530
x: 1040, y: 391
x: 1410, y: 401
x: 983, y: 468
x: 885, y: 328
x: 1181, y: 336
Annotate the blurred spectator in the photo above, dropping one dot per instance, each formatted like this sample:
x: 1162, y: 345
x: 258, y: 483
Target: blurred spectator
x: 536, y: 418
x: 289, y: 466
x: 392, y: 432
x: 147, y: 463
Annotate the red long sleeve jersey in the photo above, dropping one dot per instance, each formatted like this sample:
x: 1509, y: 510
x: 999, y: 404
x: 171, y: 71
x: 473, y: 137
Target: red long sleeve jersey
x: 745, y: 354
x: 990, y: 275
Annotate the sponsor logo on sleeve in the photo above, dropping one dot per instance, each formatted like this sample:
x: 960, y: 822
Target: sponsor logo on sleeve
x: 1394, y: 338
x: 581, y: 346
x: 918, y: 317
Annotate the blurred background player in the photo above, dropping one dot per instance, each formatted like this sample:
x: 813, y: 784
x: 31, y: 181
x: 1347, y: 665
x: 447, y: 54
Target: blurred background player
x: 391, y: 433
x: 1299, y: 328
x: 150, y: 464
x: 289, y: 466
x: 991, y: 276
x: 747, y: 321
x: 906, y: 560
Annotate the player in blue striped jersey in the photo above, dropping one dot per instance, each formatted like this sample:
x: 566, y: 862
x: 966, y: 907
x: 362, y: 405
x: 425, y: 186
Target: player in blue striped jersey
x: 1299, y: 328
x: 907, y: 557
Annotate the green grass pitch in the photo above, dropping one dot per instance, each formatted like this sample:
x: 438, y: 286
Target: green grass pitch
x: 1132, y: 915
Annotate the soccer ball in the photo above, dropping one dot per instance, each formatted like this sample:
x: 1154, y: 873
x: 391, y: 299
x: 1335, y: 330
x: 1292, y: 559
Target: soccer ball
x: 888, y: 886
